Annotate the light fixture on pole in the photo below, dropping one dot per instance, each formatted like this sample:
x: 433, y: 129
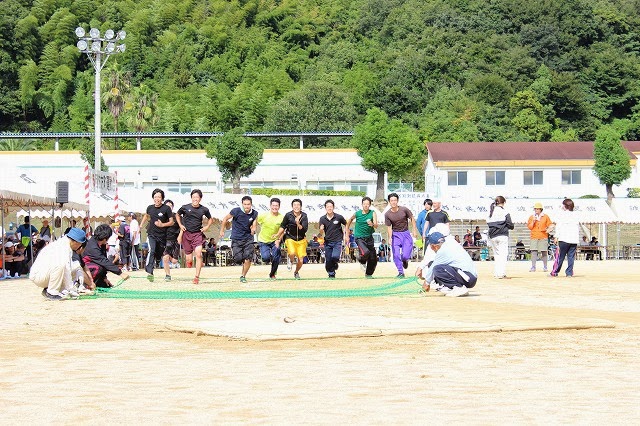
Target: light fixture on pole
x: 97, y: 47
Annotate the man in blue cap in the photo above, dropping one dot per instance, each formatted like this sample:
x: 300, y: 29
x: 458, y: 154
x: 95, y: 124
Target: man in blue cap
x: 52, y: 269
x: 452, y: 269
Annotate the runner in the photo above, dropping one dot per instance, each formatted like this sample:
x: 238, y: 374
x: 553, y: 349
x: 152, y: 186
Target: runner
x: 294, y: 227
x: 365, y: 225
x: 160, y: 218
x: 243, y: 229
x: 397, y: 219
x: 171, y: 252
x: 190, y: 218
x: 267, y: 238
x: 331, y: 227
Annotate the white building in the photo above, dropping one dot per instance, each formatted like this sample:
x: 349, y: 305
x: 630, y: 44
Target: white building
x: 519, y: 170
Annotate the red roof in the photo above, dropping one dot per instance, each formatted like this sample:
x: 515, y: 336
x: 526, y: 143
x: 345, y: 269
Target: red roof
x: 479, y: 151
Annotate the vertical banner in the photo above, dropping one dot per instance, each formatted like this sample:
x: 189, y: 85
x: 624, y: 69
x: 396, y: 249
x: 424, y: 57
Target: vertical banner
x: 115, y: 199
x: 87, y: 195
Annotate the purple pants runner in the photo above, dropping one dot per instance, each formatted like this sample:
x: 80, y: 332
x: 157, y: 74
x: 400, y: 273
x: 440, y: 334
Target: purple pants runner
x: 402, y: 247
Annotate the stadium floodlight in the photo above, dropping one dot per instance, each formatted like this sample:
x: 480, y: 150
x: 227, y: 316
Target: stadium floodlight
x: 98, y: 49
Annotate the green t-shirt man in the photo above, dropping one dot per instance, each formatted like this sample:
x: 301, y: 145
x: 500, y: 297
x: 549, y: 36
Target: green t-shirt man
x: 362, y: 228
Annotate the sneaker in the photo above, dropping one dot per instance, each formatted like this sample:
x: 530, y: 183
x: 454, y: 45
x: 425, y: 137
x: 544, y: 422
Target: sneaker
x: 17, y: 275
x: 189, y: 264
x: 332, y: 277
x: 405, y: 264
x: 553, y: 274
x: 369, y: 277
x: 458, y: 291
x: 150, y: 278
x: 443, y: 289
x: 272, y: 277
x: 532, y: 269
x: 83, y: 290
x: 243, y: 279
x: 296, y: 276
x: 196, y: 280
x: 288, y: 263
x: 545, y: 270
x: 400, y: 276
x: 50, y: 296
x: 167, y: 277
x: 363, y: 267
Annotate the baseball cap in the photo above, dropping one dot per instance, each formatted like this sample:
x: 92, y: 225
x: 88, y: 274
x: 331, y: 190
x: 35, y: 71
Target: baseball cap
x: 9, y: 244
x: 77, y: 234
x: 436, y: 238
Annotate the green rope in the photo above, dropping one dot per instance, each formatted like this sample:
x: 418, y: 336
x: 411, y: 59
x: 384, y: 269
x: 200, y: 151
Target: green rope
x: 397, y: 287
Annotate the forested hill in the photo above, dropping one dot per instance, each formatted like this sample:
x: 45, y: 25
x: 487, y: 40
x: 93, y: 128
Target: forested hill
x: 456, y: 70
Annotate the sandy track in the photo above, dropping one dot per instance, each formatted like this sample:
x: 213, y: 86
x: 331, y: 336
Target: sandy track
x: 110, y: 361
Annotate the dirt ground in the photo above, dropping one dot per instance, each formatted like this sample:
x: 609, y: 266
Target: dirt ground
x: 106, y: 361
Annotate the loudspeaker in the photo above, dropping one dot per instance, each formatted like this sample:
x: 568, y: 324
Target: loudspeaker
x: 62, y: 192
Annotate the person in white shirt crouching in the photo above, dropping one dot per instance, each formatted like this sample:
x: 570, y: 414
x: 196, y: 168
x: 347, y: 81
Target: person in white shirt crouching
x: 452, y: 269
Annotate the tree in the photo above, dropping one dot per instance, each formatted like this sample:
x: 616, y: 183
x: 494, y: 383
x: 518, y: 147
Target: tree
x: 18, y: 145
x: 142, y: 108
x: 387, y: 146
x: 611, y: 159
x: 236, y: 155
x: 117, y: 89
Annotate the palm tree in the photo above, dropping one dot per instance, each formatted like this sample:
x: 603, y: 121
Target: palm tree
x: 116, y: 90
x: 143, y: 107
x: 18, y: 145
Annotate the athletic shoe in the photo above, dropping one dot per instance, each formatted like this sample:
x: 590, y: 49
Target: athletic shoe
x: 83, y: 290
x: 405, y: 264
x: 458, y: 291
x: 443, y: 289
x: 17, y: 275
x: 167, y: 277
x: 50, y: 296
x: 288, y: 263
x: 296, y: 276
x: 553, y: 274
x: 363, y: 267
x: 189, y: 264
x: 400, y: 276
x: 532, y: 270
x: 332, y: 277
x: 243, y: 279
x: 369, y: 277
x: 150, y: 278
x: 272, y: 277
x: 545, y: 270
x: 196, y: 280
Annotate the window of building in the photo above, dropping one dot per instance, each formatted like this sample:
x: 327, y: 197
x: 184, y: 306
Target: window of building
x: 457, y: 178
x: 533, y: 177
x: 182, y: 187
x: 328, y: 186
x: 359, y: 186
x: 571, y: 177
x: 494, y: 177
x: 400, y: 187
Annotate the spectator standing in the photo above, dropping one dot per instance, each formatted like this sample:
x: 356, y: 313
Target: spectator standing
x: 134, y: 229
x: 539, y: 224
x: 25, y: 232
x: 500, y: 223
x: 567, y: 236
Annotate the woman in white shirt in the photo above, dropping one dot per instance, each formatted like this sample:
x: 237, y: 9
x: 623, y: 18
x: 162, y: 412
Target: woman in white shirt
x: 499, y: 222
x: 567, y: 237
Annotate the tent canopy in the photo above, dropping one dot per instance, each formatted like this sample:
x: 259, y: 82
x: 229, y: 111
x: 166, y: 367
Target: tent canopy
x: 627, y: 210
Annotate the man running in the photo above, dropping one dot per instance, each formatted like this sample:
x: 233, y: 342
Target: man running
x: 171, y: 252
x: 160, y: 218
x: 365, y: 225
x: 243, y: 228
x: 268, y: 240
x: 294, y: 227
x: 397, y: 219
x: 190, y: 218
x: 332, y: 227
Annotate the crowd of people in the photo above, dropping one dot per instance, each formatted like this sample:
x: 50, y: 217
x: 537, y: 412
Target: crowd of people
x: 447, y: 263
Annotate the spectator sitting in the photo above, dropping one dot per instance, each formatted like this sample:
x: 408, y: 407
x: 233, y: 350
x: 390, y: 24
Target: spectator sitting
x: 521, y: 252
x: 383, y: 251
x: 211, y: 252
x: 72, y: 224
x: 45, y: 231
x: 468, y: 242
x: 13, y: 261
x: 457, y: 238
x: 595, y: 243
x: 314, y: 253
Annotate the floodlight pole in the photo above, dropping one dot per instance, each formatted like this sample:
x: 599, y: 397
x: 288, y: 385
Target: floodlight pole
x: 95, y: 47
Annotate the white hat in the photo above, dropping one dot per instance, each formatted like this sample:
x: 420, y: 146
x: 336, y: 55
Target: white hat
x: 9, y: 244
x: 441, y: 228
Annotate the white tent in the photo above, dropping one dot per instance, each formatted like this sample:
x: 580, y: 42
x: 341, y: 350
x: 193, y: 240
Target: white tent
x: 627, y: 210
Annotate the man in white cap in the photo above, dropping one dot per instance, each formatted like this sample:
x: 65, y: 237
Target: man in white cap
x: 52, y: 269
x: 452, y: 269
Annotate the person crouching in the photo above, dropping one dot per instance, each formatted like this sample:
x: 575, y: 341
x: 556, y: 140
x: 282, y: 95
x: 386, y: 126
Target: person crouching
x: 452, y: 269
x: 52, y: 269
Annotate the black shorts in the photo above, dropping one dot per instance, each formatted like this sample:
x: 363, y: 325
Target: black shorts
x: 242, y: 250
x: 172, y: 249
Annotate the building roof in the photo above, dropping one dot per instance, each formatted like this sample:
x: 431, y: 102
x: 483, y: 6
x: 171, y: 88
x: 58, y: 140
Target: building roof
x: 515, y: 151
